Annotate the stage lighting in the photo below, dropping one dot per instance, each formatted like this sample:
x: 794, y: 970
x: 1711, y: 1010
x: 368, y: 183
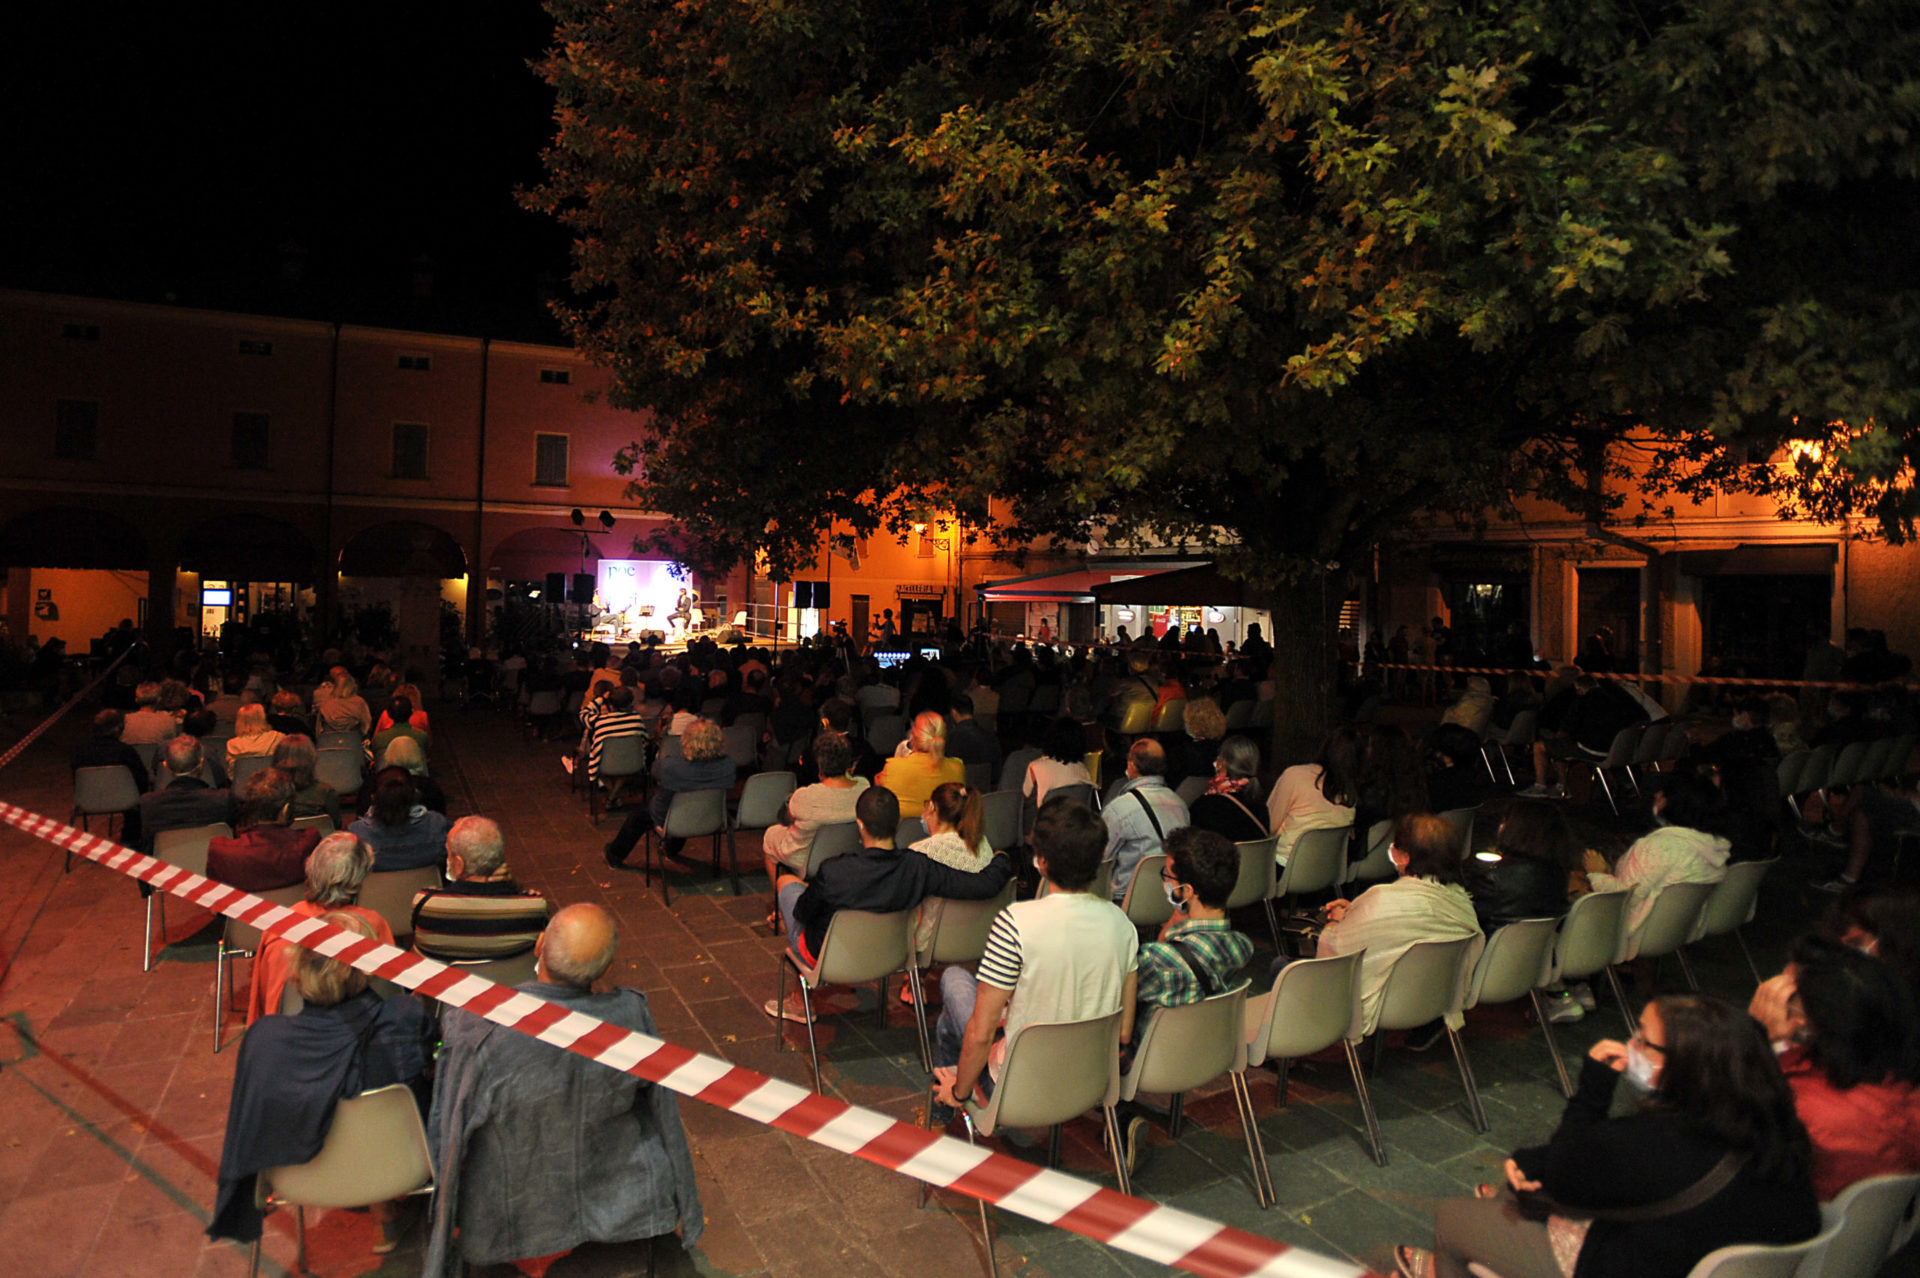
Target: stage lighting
x: 606, y: 520
x: 579, y: 518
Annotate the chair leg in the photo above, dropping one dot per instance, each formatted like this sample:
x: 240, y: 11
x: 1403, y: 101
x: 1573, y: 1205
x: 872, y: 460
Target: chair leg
x: 253, y: 1260
x: 1620, y: 997
x: 813, y: 1046
x: 1256, y: 1148
x: 1611, y: 801
x: 926, y: 1120
x: 300, y: 1238
x: 1281, y: 1071
x: 1366, y: 1103
x: 146, y: 954
x: 1116, y: 1144
x: 1475, y: 1110
x: 1176, y: 1114
x: 986, y: 1218
x: 1747, y: 954
x: 918, y: 989
x: 1273, y: 924
x: 219, y: 992
x: 1546, y: 1031
x: 1686, y: 969
x: 1053, y: 1146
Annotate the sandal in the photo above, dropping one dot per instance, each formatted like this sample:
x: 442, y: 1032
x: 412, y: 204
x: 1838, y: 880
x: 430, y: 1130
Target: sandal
x: 1413, y: 1262
x: 775, y: 924
x: 1484, y: 1190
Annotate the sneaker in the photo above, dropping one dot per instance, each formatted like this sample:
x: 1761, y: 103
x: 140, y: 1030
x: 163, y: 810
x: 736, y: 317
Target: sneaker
x: 1138, y: 1152
x: 1564, y: 1009
x: 1837, y: 884
x: 798, y: 1015
x: 1534, y: 791
x: 1557, y: 792
x: 614, y: 859
x: 1583, y: 995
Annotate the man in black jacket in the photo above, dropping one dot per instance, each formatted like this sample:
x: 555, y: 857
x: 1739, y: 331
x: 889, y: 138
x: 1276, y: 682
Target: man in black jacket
x: 879, y: 878
x: 183, y: 801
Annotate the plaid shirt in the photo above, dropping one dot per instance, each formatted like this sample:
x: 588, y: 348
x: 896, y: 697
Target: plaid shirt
x: 1166, y: 980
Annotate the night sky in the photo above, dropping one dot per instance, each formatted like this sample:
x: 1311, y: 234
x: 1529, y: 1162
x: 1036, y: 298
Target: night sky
x: 180, y: 152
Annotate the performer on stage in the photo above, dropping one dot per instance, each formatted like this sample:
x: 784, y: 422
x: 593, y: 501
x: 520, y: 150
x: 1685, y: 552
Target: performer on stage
x: 682, y: 612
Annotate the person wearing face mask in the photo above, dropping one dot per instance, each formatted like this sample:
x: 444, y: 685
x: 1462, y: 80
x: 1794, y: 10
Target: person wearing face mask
x: 1844, y: 1026
x: 1710, y: 1155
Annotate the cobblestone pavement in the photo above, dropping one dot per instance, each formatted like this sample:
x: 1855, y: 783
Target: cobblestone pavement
x: 112, y: 1102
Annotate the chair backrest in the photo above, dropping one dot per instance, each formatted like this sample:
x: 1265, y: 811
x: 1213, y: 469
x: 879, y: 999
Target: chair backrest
x: 1676, y: 908
x: 836, y: 838
x: 1819, y: 766
x: 1677, y: 743
x: 1522, y: 730
x: 1262, y: 716
x: 742, y: 745
x: 188, y: 848
x: 513, y: 969
x: 1518, y: 958
x: 909, y: 832
x: 1850, y: 766
x: 350, y: 739
x: 242, y: 936
x: 862, y: 946
x: 1316, y: 863
x: 980, y: 776
x: 246, y: 765
x: 1145, y: 903
x: 1000, y: 818
x: 1056, y: 1071
x: 1315, y: 1003
x: 1869, y: 1213
x: 1171, y: 717
x: 623, y: 756
x: 543, y: 703
x: 1376, y: 866
x: 673, y: 748
x: 695, y: 812
x: 761, y: 799
x: 343, y: 769
x: 1084, y: 795
x: 1013, y: 768
x: 886, y: 733
x: 713, y: 707
x: 1189, y: 1046
x: 376, y: 1149
x: 1191, y: 789
x: 389, y: 893
x: 961, y: 934
x: 1424, y: 984
x: 1590, y: 934
x: 1733, y: 898
x: 149, y: 752
x: 1788, y: 771
x: 110, y: 789
x: 1651, y: 741
x: 1237, y: 715
x: 1093, y: 760
x: 1758, y: 1260
x: 1620, y: 753
x: 1257, y: 872
x: 1461, y: 819
x: 317, y: 821
x: 1135, y: 718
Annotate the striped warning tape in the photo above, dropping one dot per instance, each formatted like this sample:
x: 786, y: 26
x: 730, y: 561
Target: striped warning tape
x: 19, y: 747
x: 1152, y: 1230
x: 1726, y: 680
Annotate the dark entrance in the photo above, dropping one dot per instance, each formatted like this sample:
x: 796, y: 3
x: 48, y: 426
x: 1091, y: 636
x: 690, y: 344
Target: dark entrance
x: 1610, y: 597
x: 1757, y: 626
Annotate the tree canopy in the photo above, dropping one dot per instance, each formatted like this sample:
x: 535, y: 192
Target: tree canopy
x: 1266, y: 278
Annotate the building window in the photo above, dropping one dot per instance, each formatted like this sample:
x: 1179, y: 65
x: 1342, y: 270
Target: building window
x: 416, y: 363
x: 550, y: 461
x: 409, y: 450
x: 80, y: 332
x: 927, y: 545
x: 255, y: 346
x: 556, y: 376
x: 76, y: 429
x: 250, y: 441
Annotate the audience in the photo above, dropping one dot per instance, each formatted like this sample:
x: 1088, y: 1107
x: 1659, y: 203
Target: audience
x: 403, y: 832
x: 1063, y: 763
x: 913, y: 776
x: 342, y: 709
x: 1713, y: 1119
x: 1140, y: 813
x: 1315, y: 796
x: 405, y: 753
x: 105, y: 749
x: 829, y: 801
x: 148, y: 724
x: 296, y: 757
x: 970, y: 741
x: 183, y: 801
x: 1206, y: 727
x: 703, y: 764
x: 1230, y: 808
x: 401, y: 728
x: 336, y: 869
x: 1529, y: 871
x: 481, y: 912
x: 538, y: 1151
x: 251, y: 735
x: 266, y: 853
x: 1680, y: 849
x: 955, y: 819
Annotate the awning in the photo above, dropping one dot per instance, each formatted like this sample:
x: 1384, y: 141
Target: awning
x: 1761, y: 561
x: 1073, y: 585
x: 1198, y: 587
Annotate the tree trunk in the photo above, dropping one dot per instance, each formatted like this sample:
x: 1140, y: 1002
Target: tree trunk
x: 1305, y: 613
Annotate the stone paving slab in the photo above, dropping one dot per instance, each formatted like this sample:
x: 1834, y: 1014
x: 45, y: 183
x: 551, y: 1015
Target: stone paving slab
x: 112, y: 1102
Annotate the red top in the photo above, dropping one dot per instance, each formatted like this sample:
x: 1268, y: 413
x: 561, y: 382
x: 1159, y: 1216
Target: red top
x: 1872, y: 1129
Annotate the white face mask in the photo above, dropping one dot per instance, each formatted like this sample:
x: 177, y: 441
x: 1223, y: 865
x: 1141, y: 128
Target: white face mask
x: 1641, y: 1067
x: 1173, y: 894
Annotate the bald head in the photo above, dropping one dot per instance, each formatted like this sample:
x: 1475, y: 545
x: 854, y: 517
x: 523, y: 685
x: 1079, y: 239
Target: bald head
x: 578, y: 946
x: 475, y: 848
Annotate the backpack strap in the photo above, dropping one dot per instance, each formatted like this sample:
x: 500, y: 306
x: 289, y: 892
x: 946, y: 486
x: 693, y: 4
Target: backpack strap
x: 1209, y: 986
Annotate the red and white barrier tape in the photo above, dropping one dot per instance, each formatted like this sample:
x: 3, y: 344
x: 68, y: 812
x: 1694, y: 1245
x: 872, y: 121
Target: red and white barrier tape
x: 1725, y: 680
x: 1159, y: 1233
x: 19, y: 747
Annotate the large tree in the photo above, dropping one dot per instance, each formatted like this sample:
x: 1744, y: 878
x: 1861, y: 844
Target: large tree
x: 1269, y: 279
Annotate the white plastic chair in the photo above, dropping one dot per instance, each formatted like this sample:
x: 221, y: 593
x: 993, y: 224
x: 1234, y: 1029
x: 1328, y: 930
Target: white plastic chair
x: 248, y: 764
x: 1000, y: 818
x: 1869, y: 1214
x: 1676, y: 909
x: 1758, y: 1260
x: 742, y: 745
x: 375, y: 1151
x: 1187, y: 1047
x: 1460, y: 820
x: 1589, y: 939
x: 390, y: 893
x: 1145, y: 903
x: 1519, y: 735
x: 1376, y: 866
x: 187, y: 849
x: 837, y: 838
x: 1318, y: 860
x: 690, y: 815
x: 343, y: 769
x: 109, y: 792
x: 1258, y: 873
x: 1191, y: 789
x: 1013, y: 768
x: 1314, y: 1004
x: 1518, y: 960
x: 237, y: 941
x: 859, y: 946
x: 622, y: 758
x: 1730, y: 907
x: 761, y: 799
x: 959, y: 936
x: 1619, y: 756
x: 1427, y: 983
x: 909, y: 832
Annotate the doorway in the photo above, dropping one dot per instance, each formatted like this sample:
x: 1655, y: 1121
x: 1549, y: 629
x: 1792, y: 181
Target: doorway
x: 1609, y: 600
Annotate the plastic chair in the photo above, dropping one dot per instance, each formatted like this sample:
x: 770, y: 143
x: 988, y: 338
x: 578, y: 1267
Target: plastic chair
x: 1376, y: 866
x: 959, y: 936
x: 838, y: 838
x: 1730, y: 906
x: 1013, y: 768
x: 317, y: 821
x: 1093, y: 759
x: 389, y: 893
x: 909, y: 832
x: 248, y: 764
x: 1192, y: 788
x: 1518, y: 736
x: 1237, y: 715
x: 673, y: 748
x: 761, y: 799
x: 1171, y: 717
x: 187, y: 849
x: 690, y: 814
x: 1518, y: 960
x: 1427, y: 984
x: 1787, y: 774
x: 1145, y: 903
x: 1461, y: 819
x: 508, y: 970
x: 980, y: 777
x: 1676, y: 909
x: 1189, y: 1046
x: 886, y: 733
x: 1619, y: 755
x: 1317, y: 862
x: 343, y: 769
x: 1054, y: 1072
x: 1850, y: 765
x: 1819, y: 768
x: 1647, y: 753
x: 1258, y: 870
x: 742, y: 745
x: 149, y: 752
x: 240, y: 940
x: 1590, y: 937
x: 1000, y: 818
x: 622, y: 758
x: 1757, y: 1260
x: 1084, y: 795
x: 108, y: 792
x: 1135, y: 719
x: 1869, y: 1214
x: 375, y: 1151
x: 859, y: 946
x: 1314, y: 1004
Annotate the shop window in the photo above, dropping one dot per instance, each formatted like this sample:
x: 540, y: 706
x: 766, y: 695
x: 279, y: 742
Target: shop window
x: 550, y: 460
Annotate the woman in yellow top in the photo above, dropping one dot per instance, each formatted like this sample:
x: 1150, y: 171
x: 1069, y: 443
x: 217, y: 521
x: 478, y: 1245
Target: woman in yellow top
x: 914, y: 776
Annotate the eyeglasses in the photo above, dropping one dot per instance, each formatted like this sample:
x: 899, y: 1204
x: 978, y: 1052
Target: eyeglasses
x: 1648, y: 1043
x: 1167, y: 876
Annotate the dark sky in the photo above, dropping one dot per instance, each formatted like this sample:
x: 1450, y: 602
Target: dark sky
x: 156, y: 149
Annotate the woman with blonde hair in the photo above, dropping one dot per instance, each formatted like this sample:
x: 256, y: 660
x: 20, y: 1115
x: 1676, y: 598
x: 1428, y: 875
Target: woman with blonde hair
x: 915, y: 775
x: 703, y: 764
x: 251, y: 735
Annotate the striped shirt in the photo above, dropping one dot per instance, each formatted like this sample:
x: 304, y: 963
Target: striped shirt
x: 1166, y: 979
x: 1064, y: 957
x: 477, y: 920
x: 607, y: 725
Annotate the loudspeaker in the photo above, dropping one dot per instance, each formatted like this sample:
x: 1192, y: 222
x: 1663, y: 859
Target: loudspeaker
x: 556, y: 591
x: 803, y: 594
x: 821, y: 592
x: 582, y: 588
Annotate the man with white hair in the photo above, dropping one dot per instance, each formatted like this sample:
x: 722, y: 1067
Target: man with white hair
x: 148, y: 724
x: 481, y: 913
x: 181, y: 800
x: 568, y: 1150
x: 336, y: 869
